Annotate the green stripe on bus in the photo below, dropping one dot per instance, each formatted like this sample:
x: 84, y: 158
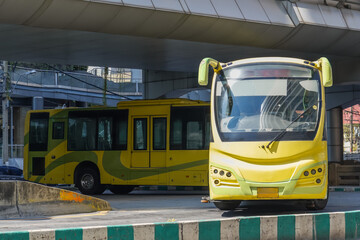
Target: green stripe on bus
x: 165, y: 231
x: 249, y: 228
x: 321, y: 226
x: 286, y: 227
x: 15, y: 236
x: 71, y: 233
x: 209, y: 230
x: 352, y: 225
x: 125, y: 232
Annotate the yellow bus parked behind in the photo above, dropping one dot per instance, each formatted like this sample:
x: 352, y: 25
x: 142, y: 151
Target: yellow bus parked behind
x: 143, y: 142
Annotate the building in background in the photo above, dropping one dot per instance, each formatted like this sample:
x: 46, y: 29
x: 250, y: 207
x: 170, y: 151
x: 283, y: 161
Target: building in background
x: 351, y: 126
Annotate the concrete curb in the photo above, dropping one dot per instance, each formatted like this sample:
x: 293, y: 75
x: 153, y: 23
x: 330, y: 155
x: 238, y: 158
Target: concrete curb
x: 340, y: 225
x: 344, y: 189
x: 21, y: 198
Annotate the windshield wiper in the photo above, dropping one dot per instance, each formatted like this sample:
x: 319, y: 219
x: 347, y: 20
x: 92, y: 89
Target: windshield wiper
x: 277, y: 137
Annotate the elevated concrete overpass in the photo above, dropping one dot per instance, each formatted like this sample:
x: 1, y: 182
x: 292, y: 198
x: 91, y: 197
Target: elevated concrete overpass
x: 174, y: 35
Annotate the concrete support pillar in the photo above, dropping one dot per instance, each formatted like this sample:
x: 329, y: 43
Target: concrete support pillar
x: 157, y: 83
x: 335, y: 136
x: 38, y: 103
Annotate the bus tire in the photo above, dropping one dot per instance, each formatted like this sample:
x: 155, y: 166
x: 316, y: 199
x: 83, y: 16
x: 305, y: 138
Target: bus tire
x: 316, y: 204
x: 88, y: 181
x: 121, y: 189
x: 227, y: 205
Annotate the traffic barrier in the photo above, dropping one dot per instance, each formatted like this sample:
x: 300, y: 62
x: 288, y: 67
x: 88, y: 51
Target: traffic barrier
x: 21, y: 198
x: 340, y: 225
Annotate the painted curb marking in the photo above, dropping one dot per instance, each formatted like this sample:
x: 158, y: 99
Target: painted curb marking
x: 341, y: 225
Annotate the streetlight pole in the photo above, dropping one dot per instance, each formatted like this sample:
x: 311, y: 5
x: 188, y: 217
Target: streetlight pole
x: 5, y: 117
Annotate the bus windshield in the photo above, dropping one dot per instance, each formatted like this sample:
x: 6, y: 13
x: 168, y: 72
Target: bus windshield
x: 265, y: 99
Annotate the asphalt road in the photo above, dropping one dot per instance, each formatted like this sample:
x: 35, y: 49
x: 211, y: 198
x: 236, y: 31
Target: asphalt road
x: 162, y: 206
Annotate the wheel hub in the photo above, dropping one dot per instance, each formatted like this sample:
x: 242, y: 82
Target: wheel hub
x: 87, y: 181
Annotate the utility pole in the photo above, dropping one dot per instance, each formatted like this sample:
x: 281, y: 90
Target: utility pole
x: 5, y: 118
x: 351, y: 130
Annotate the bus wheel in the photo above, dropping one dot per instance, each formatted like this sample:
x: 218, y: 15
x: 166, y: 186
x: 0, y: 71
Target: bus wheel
x: 121, y: 189
x: 316, y: 204
x: 227, y: 205
x: 88, y: 182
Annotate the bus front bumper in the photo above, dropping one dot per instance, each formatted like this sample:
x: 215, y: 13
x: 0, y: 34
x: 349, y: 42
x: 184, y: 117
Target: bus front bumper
x: 294, y: 189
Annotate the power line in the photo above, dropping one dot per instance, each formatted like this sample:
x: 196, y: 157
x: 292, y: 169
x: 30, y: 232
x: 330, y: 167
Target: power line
x: 90, y: 84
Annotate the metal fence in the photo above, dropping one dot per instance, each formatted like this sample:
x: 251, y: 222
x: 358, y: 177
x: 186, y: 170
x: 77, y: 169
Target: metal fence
x: 87, y: 81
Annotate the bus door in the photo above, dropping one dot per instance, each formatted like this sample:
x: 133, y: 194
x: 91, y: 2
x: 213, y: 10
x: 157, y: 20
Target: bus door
x: 41, y: 162
x: 158, y: 142
x: 149, y: 142
x: 140, y: 154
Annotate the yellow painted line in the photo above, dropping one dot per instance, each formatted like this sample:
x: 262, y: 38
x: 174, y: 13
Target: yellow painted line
x: 101, y: 213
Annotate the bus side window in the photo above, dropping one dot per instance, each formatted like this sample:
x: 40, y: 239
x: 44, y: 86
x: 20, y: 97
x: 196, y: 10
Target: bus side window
x: 82, y: 134
x: 194, y: 135
x: 38, y: 134
x: 58, y: 130
x: 140, y: 134
x: 121, y: 129
x: 176, y: 134
x: 104, y: 133
x: 159, y: 134
x: 189, y: 128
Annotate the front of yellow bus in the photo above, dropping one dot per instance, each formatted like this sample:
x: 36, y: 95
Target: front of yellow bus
x: 268, y: 134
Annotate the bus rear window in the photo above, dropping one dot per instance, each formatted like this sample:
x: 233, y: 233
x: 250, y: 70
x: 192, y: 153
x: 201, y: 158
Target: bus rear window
x: 38, y: 133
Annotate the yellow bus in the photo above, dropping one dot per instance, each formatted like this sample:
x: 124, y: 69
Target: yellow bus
x: 142, y: 142
x: 268, y: 135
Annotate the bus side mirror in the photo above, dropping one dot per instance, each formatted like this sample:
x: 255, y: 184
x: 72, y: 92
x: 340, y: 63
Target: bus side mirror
x: 203, y: 77
x: 326, y: 72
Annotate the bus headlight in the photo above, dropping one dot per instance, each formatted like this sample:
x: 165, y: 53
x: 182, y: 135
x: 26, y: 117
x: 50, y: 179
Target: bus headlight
x: 315, y: 172
x: 221, y: 174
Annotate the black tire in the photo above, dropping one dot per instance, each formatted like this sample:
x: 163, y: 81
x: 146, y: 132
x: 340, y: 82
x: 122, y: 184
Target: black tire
x: 318, y: 204
x: 227, y: 205
x: 88, y: 181
x: 121, y: 189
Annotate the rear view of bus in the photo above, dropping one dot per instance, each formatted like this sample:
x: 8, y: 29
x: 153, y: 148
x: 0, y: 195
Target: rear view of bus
x: 268, y: 130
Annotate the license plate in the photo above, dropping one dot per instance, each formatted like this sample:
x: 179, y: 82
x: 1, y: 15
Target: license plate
x: 268, y: 192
